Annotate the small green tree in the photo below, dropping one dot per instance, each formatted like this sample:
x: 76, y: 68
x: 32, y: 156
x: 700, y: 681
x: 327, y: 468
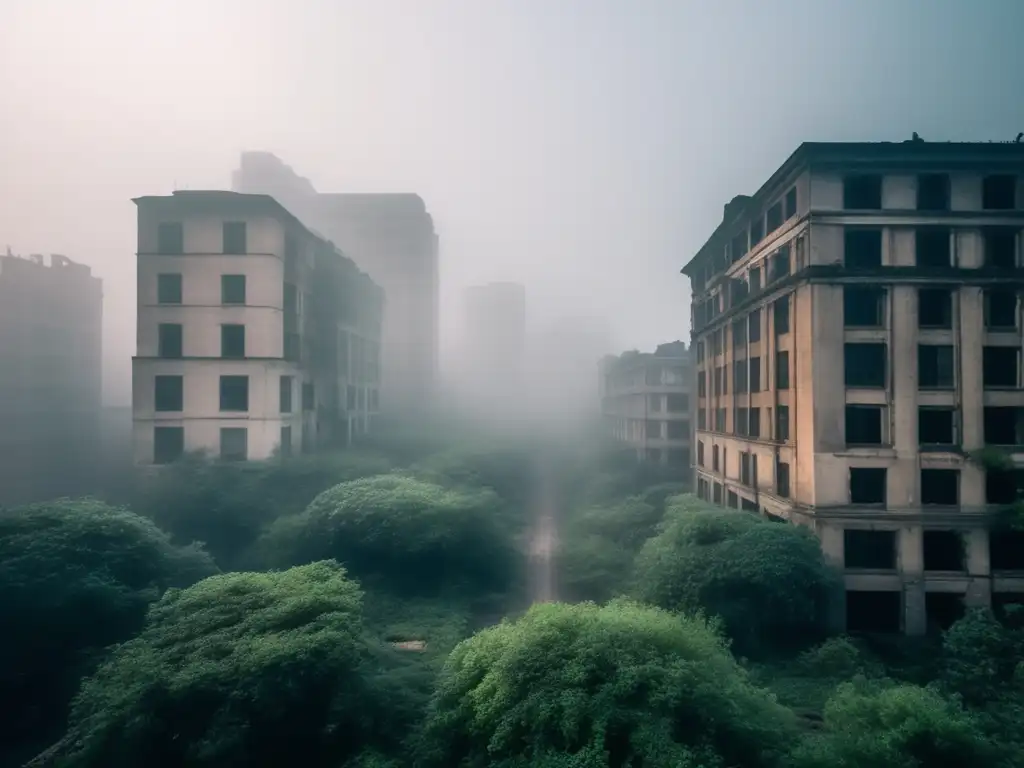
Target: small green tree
x: 244, y: 669
x: 769, y: 583
x: 588, y: 686
x: 75, y: 576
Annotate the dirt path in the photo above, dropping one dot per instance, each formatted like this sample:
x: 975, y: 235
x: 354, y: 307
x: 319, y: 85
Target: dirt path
x: 543, y: 539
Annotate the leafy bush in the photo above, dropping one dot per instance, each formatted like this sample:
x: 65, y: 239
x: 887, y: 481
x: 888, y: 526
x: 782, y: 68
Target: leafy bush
x: 769, y: 583
x: 505, y: 468
x: 411, y: 533
x: 582, y: 685
x: 75, y: 576
x: 244, y: 669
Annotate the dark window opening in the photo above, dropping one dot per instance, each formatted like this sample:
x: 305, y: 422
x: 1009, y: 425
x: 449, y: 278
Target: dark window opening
x: 739, y: 426
x: 755, y: 279
x: 944, y: 551
x: 235, y: 237
x: 935, y: 368
x: 739, y: 334
x: 234, y: 393
x: 999, y: 192
x: 790, y: 207
x: 285, y: 394
x: 865, y: 364
x: 934, y: 308
x: 863, y: 307
x: 284, y: 446
x: 1002, y: 601
x: 863, y: 425
x: 754, y: 326
x: 932, y: 247
x: 700, y: 454
x: 169, y: 342
x: 677, y: 403
x: 1000, y: 247
x: 1006, y: 550
x: 732, y: 500
x: 940, y: 487
x: 168, y: 444
x: 746, y: 473
x: 773, y: 220
x: 782, y: 370
x: 782, y: 423
x: 779, y: 264
x: 739, y: 377
x: 652, y: 429
x: 1003, y: 486
x: 872, y: 550
x: 935, y: 426
x: 715, y: 467
x: 308, y: 397
x: 168, y: 289
x: 1003, y: 425
x: 867, y: 485
x: 862, y: 248
x: 1000, y: 309
x: 232, y: 289
x: 872, y: 612
x: 943, y: 610
x: 780, y: 309
x: 170, y: 238
x: 168, y: 393
x: 754, y: 379
x: 234, y: 444
x: 782, y: 479
x: 862, y: 193
x: 677, y: 430
x: 716, y: 493
x: 754, y: 426
x: 933, y: 192
x: 720, y: 419
x: 738, y: 246
x: 999, y: 367
x: 756, y: 232
x: 232, y: 341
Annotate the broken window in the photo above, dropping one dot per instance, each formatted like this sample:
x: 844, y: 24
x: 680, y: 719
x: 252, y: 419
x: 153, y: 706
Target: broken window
x: 168, y: 393
x: 1000, y: 247
x: 773, y: 220
x: 780, y: 309
x: 1003, y: 425
x: 756, y: 232
x: 936, y: 426
x: 1006, y: 550
x: 867, y: 485
x: 999, y: 192
x: 782, y: 423
x: 170, y: 238
x: 943, y: 610
x: 168, y: 444
x: 754, y: 379
x: 234, y: 444
x: 790, y: 206
x: 933, y: 192
x: 1003, y: 486
x: 935, y: 366
x: 169, y: 340
x: 874, y: 611
x: 862, y: 193
x: 232, y: 289
x: 940, y: 486
x: 755, y: 279
x: 999, y: 367
x: 863, y: 306
x: 934, y: 308
x: 933, y: 247
x: 754, y: 326
x: 1000, y: 309
x: 863, y: 425
x: 864, y: 364
x: 677, y: 403
x: 782, y: 370
x: 234, y: 393
x: 168, y: 289
x: 778, y: 264
x: 738, y: 247
x: 235, y: 237
x: 872, y: 550
x: 232, y: 340
x: 754, y: 426
x: 862, y: 248
x: 944, y: 551
x: 782, y: 478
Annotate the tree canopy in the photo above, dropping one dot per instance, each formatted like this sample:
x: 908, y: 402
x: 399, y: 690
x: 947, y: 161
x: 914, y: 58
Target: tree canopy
x: 583, y: 685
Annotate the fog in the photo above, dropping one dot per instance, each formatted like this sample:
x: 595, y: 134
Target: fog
x: 581, y: 148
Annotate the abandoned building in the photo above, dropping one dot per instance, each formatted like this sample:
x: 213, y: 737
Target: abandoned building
x: 857, y: 333
x: 255, y: 336
x: 645, y: 402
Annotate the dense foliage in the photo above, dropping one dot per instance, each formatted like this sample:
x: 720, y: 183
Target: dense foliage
x: 75, y: 576
x: 617, y: 685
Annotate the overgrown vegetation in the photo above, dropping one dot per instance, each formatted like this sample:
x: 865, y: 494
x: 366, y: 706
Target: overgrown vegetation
x: 371, y: 612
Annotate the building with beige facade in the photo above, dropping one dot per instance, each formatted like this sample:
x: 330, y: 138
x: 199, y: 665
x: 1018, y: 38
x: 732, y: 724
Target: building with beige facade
x: 645, y: 403
x: 857, y: 330
x: 255, y: 336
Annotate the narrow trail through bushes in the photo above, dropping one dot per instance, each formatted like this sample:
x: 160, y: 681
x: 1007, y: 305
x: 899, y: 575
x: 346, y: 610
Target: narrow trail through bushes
x: 544, y: 536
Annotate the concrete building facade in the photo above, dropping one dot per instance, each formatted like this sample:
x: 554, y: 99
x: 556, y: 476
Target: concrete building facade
x: 51, y: 312
x: 645, y: 402
x: 254, y: 337
x: 392, y: 238
x: 857, y: 330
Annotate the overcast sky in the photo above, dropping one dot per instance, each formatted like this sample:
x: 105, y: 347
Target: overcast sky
x: 583, y: 147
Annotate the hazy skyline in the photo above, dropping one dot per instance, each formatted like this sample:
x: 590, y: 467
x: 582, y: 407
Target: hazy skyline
x: 582, y: 147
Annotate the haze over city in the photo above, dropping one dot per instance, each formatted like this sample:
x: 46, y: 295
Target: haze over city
x: 584, y: 148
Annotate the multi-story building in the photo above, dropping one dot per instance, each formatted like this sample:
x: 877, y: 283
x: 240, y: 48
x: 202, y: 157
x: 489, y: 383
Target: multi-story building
x: 645, y: 402
x: 392, y: 237
x: 857, y: 326
x: 255, y: 336
x: 51, y: 313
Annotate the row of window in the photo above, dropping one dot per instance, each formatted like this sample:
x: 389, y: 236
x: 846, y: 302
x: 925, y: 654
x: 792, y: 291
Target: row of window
x: 746, y: 376
x: 941, y: 550
x: 169, y: 394
x: 674, y: 403
x: 863, y: 192
x: 169, y: 288
x: 170, y: 341
x: 864, y: 307
x: 170, y: 238
x: 169, y: 443
x: 748, y: 474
